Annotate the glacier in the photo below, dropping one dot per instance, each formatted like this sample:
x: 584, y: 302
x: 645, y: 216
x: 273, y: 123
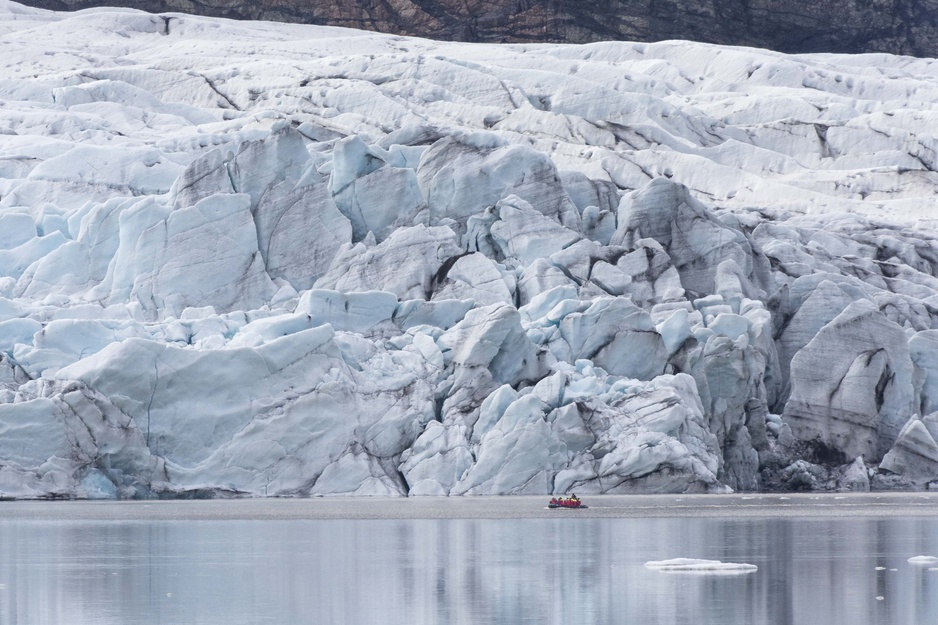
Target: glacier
x: 258, y: 259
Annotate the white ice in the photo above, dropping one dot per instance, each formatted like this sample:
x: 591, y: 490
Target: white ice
x: 270, y: 259
x: 691, y: 565
x: 923, y: 560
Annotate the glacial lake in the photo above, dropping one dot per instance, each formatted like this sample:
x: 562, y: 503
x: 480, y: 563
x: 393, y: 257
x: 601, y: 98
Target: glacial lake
x: 850, y: 570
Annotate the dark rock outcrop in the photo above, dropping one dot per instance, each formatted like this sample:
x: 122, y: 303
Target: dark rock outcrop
x: 850, y: 26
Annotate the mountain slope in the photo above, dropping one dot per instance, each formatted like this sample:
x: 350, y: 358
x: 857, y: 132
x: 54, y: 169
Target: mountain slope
x: 852, y: 26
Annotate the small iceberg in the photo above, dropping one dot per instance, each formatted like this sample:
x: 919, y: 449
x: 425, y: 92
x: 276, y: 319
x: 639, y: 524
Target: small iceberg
x: 690, y: 565
x: 923, y: 560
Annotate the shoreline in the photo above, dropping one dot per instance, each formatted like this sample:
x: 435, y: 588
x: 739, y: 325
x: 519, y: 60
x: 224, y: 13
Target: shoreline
x: 741, y: 505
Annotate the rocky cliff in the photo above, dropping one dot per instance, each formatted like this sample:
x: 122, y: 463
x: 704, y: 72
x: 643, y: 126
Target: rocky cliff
x: 854, y: 26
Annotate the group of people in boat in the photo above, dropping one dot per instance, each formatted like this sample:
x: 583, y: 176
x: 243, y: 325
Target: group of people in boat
x: 569, y: 502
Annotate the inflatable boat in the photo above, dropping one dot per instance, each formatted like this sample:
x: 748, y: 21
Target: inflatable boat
x: 572, y: 503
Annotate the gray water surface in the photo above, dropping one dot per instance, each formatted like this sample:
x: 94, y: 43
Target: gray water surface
x: 826, y: 571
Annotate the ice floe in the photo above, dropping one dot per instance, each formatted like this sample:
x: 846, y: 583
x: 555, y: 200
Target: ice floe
x: 691, y: 565
x: 923, y: 560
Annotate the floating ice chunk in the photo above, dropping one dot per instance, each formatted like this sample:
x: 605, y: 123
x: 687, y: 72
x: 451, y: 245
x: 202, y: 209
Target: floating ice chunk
x: 923, y: 560
x: 691, y: 565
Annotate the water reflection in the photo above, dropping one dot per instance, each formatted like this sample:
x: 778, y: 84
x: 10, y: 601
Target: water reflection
x: 472, y: 571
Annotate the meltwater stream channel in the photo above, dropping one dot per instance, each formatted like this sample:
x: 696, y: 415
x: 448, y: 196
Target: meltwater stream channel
x: 821, y: 561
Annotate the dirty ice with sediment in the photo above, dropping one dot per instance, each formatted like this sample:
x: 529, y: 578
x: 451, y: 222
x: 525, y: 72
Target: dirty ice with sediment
x: 283, y: 260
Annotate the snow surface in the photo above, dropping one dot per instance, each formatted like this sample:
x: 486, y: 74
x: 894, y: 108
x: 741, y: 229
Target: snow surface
x: 271, y: 259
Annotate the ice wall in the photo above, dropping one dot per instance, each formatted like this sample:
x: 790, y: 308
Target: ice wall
x: 273, y: 260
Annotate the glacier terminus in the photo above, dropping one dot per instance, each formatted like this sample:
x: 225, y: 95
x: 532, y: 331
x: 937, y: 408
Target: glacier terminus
x: 258, y: 259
